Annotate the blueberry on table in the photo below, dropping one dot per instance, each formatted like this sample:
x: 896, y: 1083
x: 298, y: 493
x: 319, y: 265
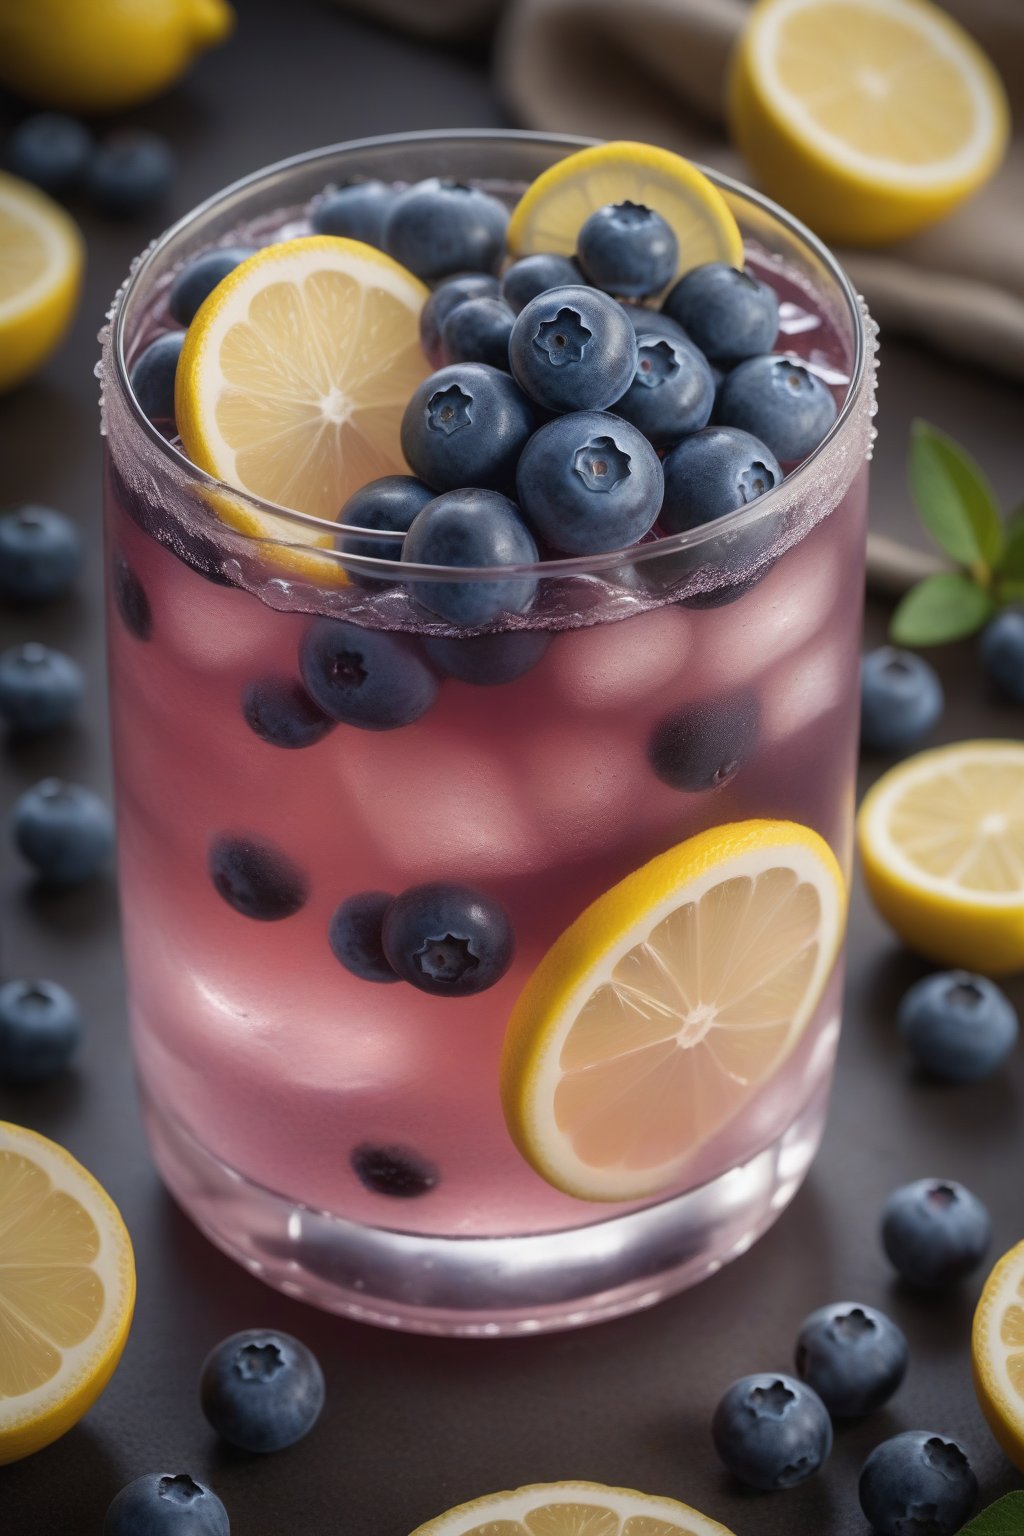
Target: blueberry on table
x: 166, y: 1504
x: 476, y: 529
x: 771, y: 1431
x: 365, y: 677
x: 388, y: 504
x: 63, y: 830
x: 729, y: 314
x: 445, y: 297
x: 901, y: 700
x: 152, y: 376
x: 394, y: 1171
x: 438, y: 227
x: 40, y: 689
x: 917, y: 1484
x: 935, y: 1232
x: 573, y: 349
x: 40, y: 553
x: 672, y: 390
x: 130, y: 599
x: 532, y: 275
x: 853, y: 1356
x: 477, y: 331
x: 780, y: 401
x: 282, y: 713
x: 488, y: 661
x: 703, y: 745
x: 958, y: 1027
x: 628, y: 249
x: 355, y: 936
x: 196, y: 281
x: 467, y: 425
x: 448, y: 939
x: 40, y: 1028
x: 129, y: 173
x: 1002, y: 653
x: 713, y: 472
x: 261, y: 1390
x: 357, y: 211
x: 589, y: 482
x: 256, y: 878
x: 49, y: 149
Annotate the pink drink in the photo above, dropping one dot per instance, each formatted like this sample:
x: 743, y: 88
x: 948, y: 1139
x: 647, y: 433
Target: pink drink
x: 272, y: 1077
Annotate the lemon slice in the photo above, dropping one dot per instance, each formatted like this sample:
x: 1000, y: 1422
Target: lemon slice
x: 653, y: 1019
x: 67, y: 1290
x: 868, y: 118
x: 941, y: 838
x: 550, y: 212
x: 41, y: 259
x: 572, y: 1509
x: 997, y: 1353
x: 293, y: 380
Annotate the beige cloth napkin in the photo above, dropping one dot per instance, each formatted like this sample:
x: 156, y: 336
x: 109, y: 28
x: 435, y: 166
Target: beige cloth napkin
x: 655, y: 69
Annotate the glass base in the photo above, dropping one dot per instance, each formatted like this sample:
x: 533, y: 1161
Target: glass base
x: 488, y: 1286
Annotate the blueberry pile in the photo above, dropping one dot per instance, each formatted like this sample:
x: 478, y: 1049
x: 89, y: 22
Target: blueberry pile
x: 124, y: 175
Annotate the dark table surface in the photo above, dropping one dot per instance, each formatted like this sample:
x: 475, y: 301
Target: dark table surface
x: 413, y: 1425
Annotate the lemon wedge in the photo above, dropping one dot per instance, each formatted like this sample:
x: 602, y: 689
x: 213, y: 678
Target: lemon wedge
x: 550, y: 212
x: 41, y: 260
x: 572, y: 1509
x: 67, y: 1291
x: 941, y: 839
x: 997, y: 1353
x: 661, y: 1010
x: 292, y: 384
x: 870, y: 119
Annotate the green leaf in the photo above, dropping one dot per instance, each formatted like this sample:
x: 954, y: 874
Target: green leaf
x: 954, y: 498
x: 940, y: 608
x: 1012, y: 560
x: 1011, y: 591
x: 1003, y: 1518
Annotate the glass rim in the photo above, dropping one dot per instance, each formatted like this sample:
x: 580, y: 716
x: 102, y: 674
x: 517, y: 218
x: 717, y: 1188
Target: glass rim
x: 575, y: 565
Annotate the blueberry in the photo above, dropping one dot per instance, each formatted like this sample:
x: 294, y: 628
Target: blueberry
x: 853, y: 1356
x: 729, y: 314
x: 394, y: 1171
x: 65, y: 831
x: 365, y: 677
x: 355, y: 936
x: 589, y: 482
x: 280, y: 711
x: 771, y: 1431
x: 958, y: 1027
x: 439, y: 227
x: 448, y: 939
x: 196, y: 281
x: 672, y: 390
x: 40, y: 553
x: 713, y: 472
x: 628, y: 249
x: 129, y: 173
x: 40, y: 1027
x: 130, y: 599
x: 901, y: 700
x: 467, y: 425
x: 533, y: 275
x: 1002, y: 653
x: 935, y: 1232
x: 445, y: 297
x: 476, y: 529
x: 390, y: 504
x: 255, y: 878
x: 261, y: 1390
x: 917, y: 1484
x: 488, y: 660
x: 573, y: 349
x: 49, y: 149
x: 357, y: 211
x: 39, y: 688
x: 704, y: 744
x: 167, y: 1504
x: 780, y: 401
x: 153, y: 373
x: 654, y: 322
x: 477, y: 331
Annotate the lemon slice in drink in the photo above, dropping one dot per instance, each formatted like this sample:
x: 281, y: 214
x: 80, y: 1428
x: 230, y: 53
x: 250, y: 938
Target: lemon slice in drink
x: 868, y: 118
x: 941, y: 839
x: 997, y: 1353
x: 550, y: 212
x: 659, y: 1012
x: 572, y: 1509
x: 41, y: 260
x: 67, y: 1290
x: 292, y: 384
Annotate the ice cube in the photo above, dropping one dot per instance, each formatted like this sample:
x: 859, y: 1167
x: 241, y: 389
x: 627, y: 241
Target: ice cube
x: 610, y: 666
x: 816, y: 681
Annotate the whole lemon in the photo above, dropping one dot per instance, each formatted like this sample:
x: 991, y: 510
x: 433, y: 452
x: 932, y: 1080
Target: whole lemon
x: 107, y: 54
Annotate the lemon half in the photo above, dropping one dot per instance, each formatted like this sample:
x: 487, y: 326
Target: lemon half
x: 997, y: 1353
x: 572, y: 1509
x: 41, y: 261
